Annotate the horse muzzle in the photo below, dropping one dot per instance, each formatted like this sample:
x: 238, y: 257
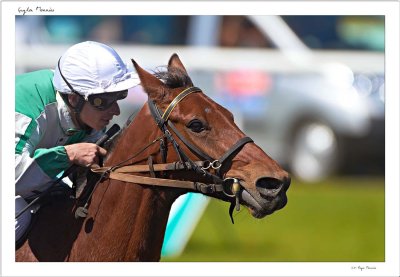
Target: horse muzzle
x: 269, y: 196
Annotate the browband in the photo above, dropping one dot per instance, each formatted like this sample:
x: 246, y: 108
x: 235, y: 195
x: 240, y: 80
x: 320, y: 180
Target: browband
x: 177, y: 99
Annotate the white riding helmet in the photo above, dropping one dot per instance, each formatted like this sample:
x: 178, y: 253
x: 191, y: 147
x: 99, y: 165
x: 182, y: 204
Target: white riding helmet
x: 92, y: 68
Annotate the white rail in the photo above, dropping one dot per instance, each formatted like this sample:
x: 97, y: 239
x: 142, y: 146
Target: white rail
x: 39, y: 56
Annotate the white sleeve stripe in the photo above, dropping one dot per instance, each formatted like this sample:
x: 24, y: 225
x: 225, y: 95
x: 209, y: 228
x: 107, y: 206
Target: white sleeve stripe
x: 21, y: 124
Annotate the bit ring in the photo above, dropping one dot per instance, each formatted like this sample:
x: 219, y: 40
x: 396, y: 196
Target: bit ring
x: 235, y: 180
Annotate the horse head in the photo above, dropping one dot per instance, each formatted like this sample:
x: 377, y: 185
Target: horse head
x: 206, y: 130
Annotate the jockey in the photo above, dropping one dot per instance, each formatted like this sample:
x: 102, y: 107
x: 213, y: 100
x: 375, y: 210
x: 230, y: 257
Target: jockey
x: 60, y: 114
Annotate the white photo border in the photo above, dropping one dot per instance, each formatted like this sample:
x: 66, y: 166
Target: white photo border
x: 390, y: 9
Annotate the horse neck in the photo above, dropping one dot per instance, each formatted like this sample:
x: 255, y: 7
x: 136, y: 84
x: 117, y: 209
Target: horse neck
x: 134, y: 216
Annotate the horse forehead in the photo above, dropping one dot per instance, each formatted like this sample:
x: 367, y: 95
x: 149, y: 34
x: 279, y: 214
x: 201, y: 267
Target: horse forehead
x: 200, y: 103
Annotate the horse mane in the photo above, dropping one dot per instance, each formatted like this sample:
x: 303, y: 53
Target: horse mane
x: 173, y: 77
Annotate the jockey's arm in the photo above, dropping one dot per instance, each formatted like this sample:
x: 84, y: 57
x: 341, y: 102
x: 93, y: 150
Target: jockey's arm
x: 36, y: 167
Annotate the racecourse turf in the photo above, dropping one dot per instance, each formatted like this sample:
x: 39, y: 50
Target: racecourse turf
x: 337, y: 220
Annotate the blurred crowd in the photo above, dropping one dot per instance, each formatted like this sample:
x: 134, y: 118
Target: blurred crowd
x: 327, y: 32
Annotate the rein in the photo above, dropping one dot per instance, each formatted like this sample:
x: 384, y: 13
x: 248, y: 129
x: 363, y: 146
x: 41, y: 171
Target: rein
x: 217, y: 183
x: 119, y: 173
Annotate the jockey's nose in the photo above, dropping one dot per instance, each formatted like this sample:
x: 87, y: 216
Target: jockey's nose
x: 114, y: 109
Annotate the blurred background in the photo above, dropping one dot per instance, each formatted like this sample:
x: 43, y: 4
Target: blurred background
x: 309, y: 90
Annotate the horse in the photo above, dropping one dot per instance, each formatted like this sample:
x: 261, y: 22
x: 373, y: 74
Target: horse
x: 177, y: 136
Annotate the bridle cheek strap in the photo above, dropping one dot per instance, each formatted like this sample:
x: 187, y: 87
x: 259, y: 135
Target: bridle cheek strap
x: 193, y: 148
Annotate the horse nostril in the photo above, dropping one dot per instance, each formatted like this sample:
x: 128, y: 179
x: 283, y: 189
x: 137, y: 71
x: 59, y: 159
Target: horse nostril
x: 269, y: 186
x: 268, y: 183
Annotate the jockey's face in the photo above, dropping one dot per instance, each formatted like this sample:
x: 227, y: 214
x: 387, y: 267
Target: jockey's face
x: 93, y: 117
x: 96, y: 118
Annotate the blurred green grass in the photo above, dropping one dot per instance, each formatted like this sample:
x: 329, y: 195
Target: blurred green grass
x: 337, y: 220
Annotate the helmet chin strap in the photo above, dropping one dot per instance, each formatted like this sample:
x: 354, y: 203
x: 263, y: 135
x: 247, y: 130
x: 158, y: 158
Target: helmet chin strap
x: 79, y: 105
x: 77, y: 112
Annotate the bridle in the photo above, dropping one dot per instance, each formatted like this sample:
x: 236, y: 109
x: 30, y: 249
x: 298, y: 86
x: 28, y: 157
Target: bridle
x: 216, y: 184
x: 209, y: 162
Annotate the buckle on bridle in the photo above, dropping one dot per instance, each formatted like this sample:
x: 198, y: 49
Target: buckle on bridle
x: 205, y: 188
x: 216, y: 164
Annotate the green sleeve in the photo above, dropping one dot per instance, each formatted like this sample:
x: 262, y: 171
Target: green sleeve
x: 53, y: 160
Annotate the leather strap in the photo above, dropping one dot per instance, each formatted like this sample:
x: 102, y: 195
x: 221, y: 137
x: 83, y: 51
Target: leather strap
x: 236, y: 147
x: 197, y: 186
x: 193, y: 148
x: 151, y: 166
x: 155, y: 112
x: 177, y: 99
x: 146, y: 168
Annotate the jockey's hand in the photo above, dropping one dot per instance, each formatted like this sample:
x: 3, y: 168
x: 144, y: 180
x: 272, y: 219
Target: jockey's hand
x: 84, y: 154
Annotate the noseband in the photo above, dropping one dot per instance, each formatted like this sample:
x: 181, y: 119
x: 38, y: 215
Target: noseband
x: 201, y: 168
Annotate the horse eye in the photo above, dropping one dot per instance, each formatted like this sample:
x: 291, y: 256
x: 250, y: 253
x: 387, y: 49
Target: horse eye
x: 196, y: 126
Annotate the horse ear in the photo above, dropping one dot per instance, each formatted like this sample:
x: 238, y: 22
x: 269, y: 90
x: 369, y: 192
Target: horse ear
x: 151, y: 84
x: 175, y: 62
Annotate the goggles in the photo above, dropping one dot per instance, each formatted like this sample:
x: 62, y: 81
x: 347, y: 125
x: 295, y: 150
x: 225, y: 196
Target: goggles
x: 103, y: 101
